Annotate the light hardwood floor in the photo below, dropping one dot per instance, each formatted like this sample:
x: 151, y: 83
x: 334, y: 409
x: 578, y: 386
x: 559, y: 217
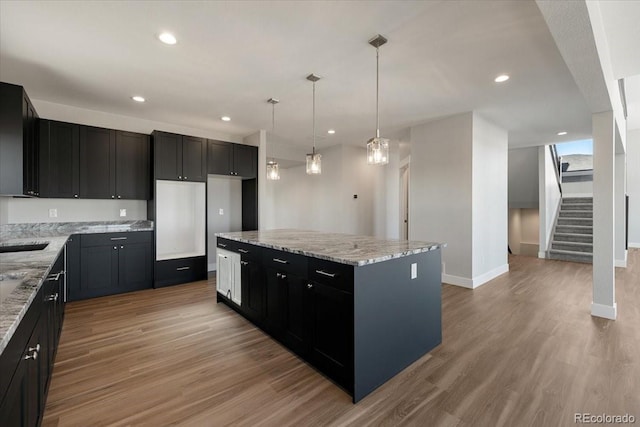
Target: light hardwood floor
x: 521, y: 350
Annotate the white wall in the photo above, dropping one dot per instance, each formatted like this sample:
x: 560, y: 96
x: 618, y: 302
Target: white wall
x: 489, y: 200
x: 577, y: 189
x: 633, y: 186
x: 523, y: 178
x: 441, y: 191
x: 524, y: 231
x: 550, y: 198
x: 324, y: 202
x: 226, y: 194
x: 31, y: 210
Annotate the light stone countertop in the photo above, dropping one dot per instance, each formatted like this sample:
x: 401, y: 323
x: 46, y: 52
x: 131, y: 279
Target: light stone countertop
x: 342, y: 248
x: 32, y: 267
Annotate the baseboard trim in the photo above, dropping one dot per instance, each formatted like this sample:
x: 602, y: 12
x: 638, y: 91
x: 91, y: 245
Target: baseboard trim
x: 465, y: 282
x: 634, y: 245
x: 604, y: 311
x: 622, y: 263
x: 457, y: 281
x: 211, y: 266
x: 542, y: 255
x: 490, y: 275
x: 569, y: 195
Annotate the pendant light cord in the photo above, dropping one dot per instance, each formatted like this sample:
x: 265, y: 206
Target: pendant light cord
x: 377, y: 91
x: 314, y: 118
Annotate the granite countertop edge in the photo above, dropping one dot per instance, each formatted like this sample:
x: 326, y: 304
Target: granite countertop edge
x: 427, y: 247
x: 36, y: 265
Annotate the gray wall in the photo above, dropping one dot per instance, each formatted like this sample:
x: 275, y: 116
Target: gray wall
x: 633, y: 186
x: 523, y: 177
x: 226, y: 194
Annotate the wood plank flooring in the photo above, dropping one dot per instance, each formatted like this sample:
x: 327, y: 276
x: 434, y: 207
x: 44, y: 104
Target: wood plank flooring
x: 522, y: 350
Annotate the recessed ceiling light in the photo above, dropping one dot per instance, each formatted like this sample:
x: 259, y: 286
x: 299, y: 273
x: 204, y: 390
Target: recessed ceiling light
x: 167, y: 38
x: 331, y: 131
x: 138, y: 98
x: 562, y: 133
x: 225, y: 118
x: 501, y: 78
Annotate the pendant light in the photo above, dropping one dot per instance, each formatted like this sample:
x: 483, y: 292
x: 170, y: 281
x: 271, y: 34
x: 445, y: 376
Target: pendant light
x: 314, y: 165
x: 273, y: 172
x: 377, y: 148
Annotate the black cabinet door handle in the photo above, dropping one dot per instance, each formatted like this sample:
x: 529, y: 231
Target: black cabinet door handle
x: 324, y: 273
x: 182, y: 268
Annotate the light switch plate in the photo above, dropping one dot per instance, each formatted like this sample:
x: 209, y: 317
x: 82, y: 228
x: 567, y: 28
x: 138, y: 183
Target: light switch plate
x: 123, y: 212
x: 221, y: 211
x: 53, y: 213
x: 414, y: 271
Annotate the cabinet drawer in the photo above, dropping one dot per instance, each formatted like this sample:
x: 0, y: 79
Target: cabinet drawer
x: 226, y: 244
x: 285, y: 261
x: 331, y: 273
x: 248, y: 251
x: 182, y: 270
x: 104, y: 239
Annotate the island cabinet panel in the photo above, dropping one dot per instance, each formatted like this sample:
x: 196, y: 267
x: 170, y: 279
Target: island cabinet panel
x: 358, y: 324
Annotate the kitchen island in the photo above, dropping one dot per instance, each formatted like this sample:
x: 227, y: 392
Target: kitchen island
x: 359, y: 309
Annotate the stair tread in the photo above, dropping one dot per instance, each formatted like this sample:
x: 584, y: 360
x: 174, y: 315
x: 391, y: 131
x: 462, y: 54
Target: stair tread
x: 567, y: 242
x: 573, y: 253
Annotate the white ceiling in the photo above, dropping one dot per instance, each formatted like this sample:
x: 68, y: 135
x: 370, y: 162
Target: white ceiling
x: 231, y: 57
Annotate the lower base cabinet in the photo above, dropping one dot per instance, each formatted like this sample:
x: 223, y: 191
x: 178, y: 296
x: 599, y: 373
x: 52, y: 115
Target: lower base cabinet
x: 27, y: 361
x: 110, y: 263
x: 311, y: 315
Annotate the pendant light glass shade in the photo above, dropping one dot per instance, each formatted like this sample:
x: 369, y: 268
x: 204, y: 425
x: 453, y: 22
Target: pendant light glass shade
x: 314, y: 160
x: 377, y: 148
x: 273, y: 172
x: 314, y: 163
x: 378, y: 151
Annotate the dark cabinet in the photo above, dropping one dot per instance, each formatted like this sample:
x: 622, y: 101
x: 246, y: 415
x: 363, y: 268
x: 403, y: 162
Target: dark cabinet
x: 59, y: 159
x: 113, y: 263
x: 114, y: 164
x: 97, y: 163
x: 133, y: 177
x: 225, y: 158
x: 179, y: 158
x: 72, y: 275
x: 18, y: 142
x: 253, y: 289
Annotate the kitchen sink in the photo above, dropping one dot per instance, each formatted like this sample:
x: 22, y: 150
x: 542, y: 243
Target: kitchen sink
x: 22, y: 247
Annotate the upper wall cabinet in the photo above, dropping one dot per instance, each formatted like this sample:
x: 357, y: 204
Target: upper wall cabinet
x: 93, y: 163
x: 178, y: 157
x: 18, y: 142
x: 225, y: 158
x: 59, y: 159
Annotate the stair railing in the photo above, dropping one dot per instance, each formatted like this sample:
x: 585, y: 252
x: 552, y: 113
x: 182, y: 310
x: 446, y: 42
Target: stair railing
x: 558, y: 166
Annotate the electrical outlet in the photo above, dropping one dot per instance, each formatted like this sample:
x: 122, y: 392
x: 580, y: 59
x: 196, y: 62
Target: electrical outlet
x: 221, y: 211
x: 414, y: 270
x: 123, y: 212
x: 53, y: 213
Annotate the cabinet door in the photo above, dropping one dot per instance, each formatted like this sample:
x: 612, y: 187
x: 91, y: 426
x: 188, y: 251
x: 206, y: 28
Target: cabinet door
x: 295, y: 312
x: 133, y: 180
x: 253, y: 289
x: 274, y: 312
x: 194, y: 159
x: 59, y: 159
x: 331, y: 328
x: 97, y: 163
x: 224, y: 271
x: 135, y: 261
x: 31, y: 145
x: 245, y: 160
x: 99, y: 271
x: 72, y: 275
x: 219, y: 157
x: 167, y: 149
